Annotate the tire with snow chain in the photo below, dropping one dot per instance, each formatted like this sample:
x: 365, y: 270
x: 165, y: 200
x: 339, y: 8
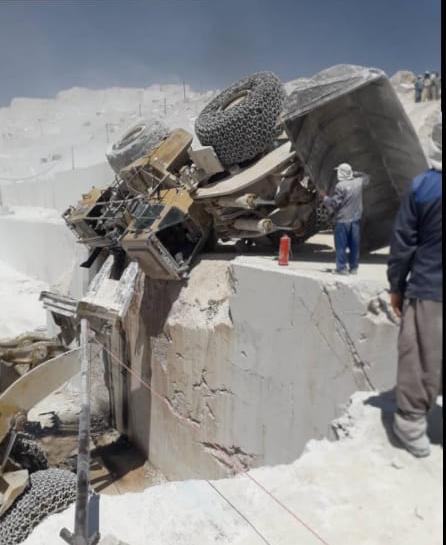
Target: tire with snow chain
x: 240, y: 122
x: 138, y: 140
x: 28, y: 453
x: 324, y: 218
x: 49, y: 492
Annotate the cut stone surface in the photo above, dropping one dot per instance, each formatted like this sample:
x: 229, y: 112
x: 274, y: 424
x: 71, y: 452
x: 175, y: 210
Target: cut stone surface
x: 249, y: 361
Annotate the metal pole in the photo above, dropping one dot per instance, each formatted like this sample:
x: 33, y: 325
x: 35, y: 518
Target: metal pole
x: 72, y: 158
x: 80, y: 536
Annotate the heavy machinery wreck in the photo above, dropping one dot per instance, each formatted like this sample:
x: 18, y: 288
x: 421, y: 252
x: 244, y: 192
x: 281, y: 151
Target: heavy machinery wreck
x: 177, y: 200
x: 262, y: 159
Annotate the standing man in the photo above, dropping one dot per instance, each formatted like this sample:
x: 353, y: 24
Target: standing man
x: 415, y: 275
x: 346, y: 206
x: 418, y: 88
x: 427, y: 87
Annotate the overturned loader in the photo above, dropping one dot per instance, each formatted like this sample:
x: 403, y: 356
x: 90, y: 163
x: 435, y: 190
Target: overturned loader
x: 263, y: 158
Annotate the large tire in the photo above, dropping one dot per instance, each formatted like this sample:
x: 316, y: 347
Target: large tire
x: 324, y: 218
x: 138, y: 140
x: 240, y: 122
x: 29, y: 454
x: 49, y: 492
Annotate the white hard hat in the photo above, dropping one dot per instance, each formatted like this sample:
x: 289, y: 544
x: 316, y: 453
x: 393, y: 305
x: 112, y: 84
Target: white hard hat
x: 344, y: 171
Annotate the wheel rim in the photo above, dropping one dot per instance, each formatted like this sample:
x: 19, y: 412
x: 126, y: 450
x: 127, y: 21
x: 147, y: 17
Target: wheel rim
x: 235, y: 100
x: 130, y: 135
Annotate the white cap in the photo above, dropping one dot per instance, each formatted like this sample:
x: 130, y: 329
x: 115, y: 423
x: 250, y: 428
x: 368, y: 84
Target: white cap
x: 345, y: 172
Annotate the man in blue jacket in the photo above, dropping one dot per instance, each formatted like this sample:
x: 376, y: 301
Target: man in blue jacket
x: 416, y: 291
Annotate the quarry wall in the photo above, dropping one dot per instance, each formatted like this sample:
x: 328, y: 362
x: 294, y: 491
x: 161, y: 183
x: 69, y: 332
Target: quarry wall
x: 44, y: 250
x: 58, y: 190
x: 248, y: 363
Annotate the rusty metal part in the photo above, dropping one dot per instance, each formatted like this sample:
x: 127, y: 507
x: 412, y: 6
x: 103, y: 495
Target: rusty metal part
x: 264, y: 226
x: 168, y: 235
x: 29, y: 350
x: 160, y: 164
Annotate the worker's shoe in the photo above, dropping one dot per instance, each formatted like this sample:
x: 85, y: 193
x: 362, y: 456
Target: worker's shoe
x: 353, y: 271
x: 342, y: 271
x: 412, y: 435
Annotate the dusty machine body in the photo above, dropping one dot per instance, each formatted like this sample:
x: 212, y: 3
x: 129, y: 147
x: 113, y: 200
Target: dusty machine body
x: 352, y: 114
x: 170, y: 204
x: 163, y: 209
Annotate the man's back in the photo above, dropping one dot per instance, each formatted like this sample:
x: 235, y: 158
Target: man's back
x: 348, y: 199
x: 415, y: 264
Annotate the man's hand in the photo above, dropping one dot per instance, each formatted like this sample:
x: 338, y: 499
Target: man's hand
x: 322, y: 194
x: 396, y: 302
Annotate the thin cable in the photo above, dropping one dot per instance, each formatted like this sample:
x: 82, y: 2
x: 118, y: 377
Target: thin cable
x: 262, y: 537
x: 287, y: 509
x: 146, y: 385
x: 242, y: 470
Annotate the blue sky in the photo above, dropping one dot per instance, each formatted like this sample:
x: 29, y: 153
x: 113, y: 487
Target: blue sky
x: 49, y: 45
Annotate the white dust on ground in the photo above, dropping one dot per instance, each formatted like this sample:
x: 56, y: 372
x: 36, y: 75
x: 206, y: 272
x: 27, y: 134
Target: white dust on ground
x: 360, y: 490
x: 20, y: 308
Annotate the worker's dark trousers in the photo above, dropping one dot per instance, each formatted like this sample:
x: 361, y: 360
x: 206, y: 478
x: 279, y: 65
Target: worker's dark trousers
x: 420, y: 357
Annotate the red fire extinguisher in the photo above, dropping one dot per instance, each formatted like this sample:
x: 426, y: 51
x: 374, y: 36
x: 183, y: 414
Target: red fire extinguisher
x: 284, y: 250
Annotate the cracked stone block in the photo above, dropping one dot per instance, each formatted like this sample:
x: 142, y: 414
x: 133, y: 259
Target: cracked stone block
x: 249, y: 362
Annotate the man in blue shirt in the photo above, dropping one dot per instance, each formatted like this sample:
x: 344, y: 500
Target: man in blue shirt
x: 415, y: 273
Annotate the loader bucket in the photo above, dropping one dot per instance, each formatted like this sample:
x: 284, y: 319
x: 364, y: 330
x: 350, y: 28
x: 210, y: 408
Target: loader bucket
x: 352, y: 114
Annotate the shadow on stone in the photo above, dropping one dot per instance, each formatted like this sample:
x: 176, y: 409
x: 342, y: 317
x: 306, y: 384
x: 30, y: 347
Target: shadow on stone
x: 386, y: 401
x: 93, y: 515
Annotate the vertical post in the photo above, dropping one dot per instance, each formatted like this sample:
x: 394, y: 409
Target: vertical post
x: 141, y: 100
x: 184, y: 90
x: 165, y: 105
x: 72, y: 157
x: 80, y: 536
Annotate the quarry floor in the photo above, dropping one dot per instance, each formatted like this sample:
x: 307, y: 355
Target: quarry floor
x: 360, y: 490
